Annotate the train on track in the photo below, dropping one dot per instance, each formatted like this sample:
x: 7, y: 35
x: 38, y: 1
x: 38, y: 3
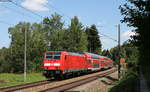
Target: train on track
x: 59, y: 64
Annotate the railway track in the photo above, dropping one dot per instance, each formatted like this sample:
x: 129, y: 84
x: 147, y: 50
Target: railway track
x: 23, y: 86
x: 65, y: 87
x: 56, y: 86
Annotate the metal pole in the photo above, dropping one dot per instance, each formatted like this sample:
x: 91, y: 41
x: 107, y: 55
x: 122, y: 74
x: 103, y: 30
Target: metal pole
x: 25, y: 59
x: 49, y: 43
x: 119, y: 66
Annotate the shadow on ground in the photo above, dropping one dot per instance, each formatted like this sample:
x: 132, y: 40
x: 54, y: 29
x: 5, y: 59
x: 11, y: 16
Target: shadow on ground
x: 110, y: 78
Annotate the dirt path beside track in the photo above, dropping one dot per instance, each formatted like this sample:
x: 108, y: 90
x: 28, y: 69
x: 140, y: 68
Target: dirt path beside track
x: 100, y: 85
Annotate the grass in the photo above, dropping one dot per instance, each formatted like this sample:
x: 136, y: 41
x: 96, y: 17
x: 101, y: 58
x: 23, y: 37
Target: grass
x: 7, y: 79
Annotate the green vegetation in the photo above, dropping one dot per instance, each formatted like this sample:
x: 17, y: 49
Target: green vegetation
x: 129, y: 77
x: 94, y: 44
x: 7, y: 79
x: 126, y: 84
x: 137, y: 14
x: 50, y: 34
x: 128, y: 51
x: 75, y: 37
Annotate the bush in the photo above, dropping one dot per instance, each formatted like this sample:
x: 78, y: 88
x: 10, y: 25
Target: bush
x: 126, y: 84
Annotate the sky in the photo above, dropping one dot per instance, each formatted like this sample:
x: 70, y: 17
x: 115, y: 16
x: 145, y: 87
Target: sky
x: 103, y: 13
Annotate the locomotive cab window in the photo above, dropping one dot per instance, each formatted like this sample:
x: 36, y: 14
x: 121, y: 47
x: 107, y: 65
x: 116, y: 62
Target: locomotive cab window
x: 49, y: 56
x: 53, y: 56
x: 57, y: 56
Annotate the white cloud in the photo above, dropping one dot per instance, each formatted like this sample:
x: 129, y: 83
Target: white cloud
x: 127, y: 34
x: 36, y: 5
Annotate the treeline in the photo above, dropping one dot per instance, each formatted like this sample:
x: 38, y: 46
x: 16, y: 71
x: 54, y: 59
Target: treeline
x: 50, y: 34
x: 128, y: 51
x: 137, y: 14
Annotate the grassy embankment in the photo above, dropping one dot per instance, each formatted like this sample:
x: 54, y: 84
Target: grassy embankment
x: 128, y: 83
x: 16, y: 79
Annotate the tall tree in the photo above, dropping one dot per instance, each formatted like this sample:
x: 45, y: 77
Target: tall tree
x: 137, y: 14
x: 128, y: 51
x: 106, y: 53
x: 76, y: 36
x: 5, y: 60
x: 94, y: 43
x: 51, y: 27
x: 17, y: 45
x: 36, y: 46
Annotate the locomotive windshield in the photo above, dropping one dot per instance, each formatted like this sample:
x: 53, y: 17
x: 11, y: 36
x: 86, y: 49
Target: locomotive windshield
x: 53, y: 56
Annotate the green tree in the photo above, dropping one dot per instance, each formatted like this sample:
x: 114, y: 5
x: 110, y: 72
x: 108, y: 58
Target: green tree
x: 5, y: 60
x: 106, y: 53
x: 59, y: 40
x: 137, y: 14
x: 128, y: 51
x: 94, y: 43
x: 51, y: 27
x: 17, y: 46
x: 77, y: 39
x: 36, y: 46
x: 114, y: 53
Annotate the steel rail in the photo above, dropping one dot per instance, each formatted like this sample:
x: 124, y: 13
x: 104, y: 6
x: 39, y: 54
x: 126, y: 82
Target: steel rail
x: 23, y: 86
x: 56, y: 88
x: 64, y: 87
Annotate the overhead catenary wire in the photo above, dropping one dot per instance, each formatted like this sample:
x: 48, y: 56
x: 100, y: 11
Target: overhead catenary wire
x: 56, y: 10
x: 16, y: 11
x: 108, y: 37
x: 70, y: 18
x: 25, y: 8
x: 104, y: 35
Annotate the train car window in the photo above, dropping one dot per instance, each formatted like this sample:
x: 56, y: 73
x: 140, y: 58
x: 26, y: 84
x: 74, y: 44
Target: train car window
x: 96, y: 65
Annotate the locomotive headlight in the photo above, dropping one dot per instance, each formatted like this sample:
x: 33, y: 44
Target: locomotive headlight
x: 47, y: 64
x: 56, y: 64
x: 52, y: 64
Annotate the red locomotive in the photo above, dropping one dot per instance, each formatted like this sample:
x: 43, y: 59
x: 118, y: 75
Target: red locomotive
x: 62, y: 63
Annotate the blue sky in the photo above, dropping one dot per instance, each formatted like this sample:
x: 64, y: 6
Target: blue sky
x: 104, y: 13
